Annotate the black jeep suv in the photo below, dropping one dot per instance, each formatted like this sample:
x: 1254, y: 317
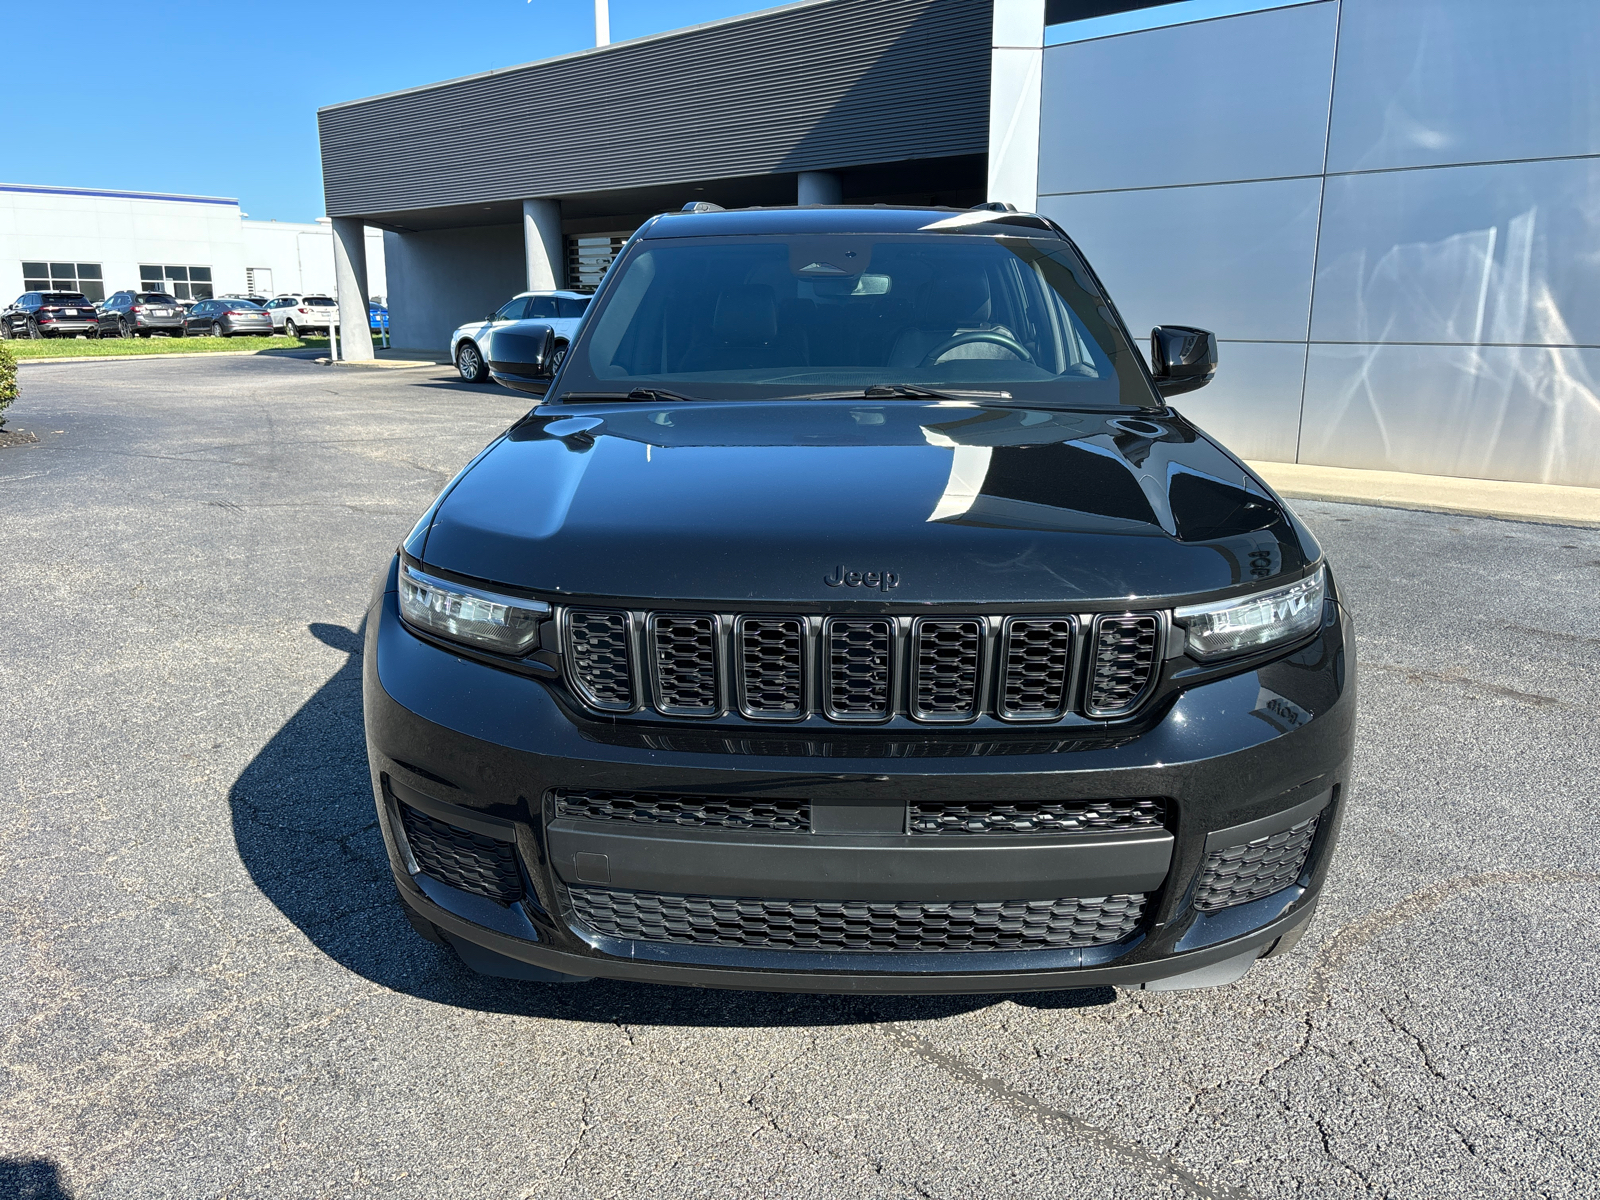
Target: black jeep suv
x: 855, y: 615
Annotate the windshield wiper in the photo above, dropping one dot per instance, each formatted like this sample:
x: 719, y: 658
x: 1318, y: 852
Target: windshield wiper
x: 915, y: 391
x: 643, y: 395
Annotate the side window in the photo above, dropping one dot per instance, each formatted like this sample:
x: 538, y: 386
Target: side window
x: 542, y: 308
x: 513, y: 311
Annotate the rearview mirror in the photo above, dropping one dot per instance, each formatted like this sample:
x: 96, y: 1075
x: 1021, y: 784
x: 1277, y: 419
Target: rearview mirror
x: 1182, y: 358
x: 524, y: 358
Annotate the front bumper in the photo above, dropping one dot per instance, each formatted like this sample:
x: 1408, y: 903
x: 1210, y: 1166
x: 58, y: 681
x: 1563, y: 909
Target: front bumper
x: 481, y: 750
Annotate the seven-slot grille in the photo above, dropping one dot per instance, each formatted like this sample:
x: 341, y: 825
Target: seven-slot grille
x: 862, y: 669
x: 1025, y: 816
x: 704, y: 812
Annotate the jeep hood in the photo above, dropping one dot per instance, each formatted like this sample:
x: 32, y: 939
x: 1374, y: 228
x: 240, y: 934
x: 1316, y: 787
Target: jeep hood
x: 899, y: 502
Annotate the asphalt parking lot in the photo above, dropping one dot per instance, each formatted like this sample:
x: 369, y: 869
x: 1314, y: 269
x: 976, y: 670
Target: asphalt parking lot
x: 209, y: 992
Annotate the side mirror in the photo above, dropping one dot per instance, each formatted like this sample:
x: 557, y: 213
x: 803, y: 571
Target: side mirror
x: 1182, y: 358
x: 524, y: 358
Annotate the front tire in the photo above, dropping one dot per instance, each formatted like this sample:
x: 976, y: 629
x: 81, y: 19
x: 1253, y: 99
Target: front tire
x: 470, y: 364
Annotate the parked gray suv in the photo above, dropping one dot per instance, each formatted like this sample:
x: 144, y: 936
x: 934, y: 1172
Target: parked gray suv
x: 130, y: 314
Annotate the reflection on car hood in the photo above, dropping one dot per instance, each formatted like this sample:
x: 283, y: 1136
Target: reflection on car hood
x: 958, y: 502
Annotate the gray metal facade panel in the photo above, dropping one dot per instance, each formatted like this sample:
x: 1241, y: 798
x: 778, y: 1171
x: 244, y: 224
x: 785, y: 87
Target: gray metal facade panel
x: 838, y: 84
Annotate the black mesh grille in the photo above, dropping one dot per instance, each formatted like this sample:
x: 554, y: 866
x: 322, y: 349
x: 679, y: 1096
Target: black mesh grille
x: 947, y: 659
x: 470, y: 861
x: 843, y: 925
x: 1073, y: 816
x: 858, y: 668
x: 1255, y: 869
x: 1124, y: 663
x: 772, y: 666
x: 685, y: 649
x: 706, y: 812
x: 597, y: 654
x: 1037, y: 668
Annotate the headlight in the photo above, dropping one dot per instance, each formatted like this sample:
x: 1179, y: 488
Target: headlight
x: 504, y: 624
x: 1236, y: 626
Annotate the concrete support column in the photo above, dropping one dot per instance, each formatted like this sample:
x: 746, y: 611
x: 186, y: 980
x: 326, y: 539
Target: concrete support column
x: 542, y: 245
x: 350, y: 277
x: 819, y: 187
x: 1016, y: 69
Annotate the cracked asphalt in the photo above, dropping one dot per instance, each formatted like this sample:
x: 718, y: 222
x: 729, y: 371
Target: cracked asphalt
x: 209, y: 992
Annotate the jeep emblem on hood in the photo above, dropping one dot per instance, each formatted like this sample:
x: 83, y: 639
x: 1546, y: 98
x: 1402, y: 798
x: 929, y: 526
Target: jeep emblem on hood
x: 882, y: 580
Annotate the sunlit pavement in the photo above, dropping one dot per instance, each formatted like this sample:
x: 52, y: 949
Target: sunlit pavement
x: 208, y: 989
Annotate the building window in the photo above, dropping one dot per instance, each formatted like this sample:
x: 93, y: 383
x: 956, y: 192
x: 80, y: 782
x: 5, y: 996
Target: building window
x: 64, y: 277
x: 589, y: 256
x: 186, y: 283
x: 258, y: 281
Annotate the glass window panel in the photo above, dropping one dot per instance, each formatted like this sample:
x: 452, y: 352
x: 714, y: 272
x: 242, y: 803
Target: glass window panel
x: 177, y: 273
x: 202, y: 290
x: 36, y: 285
x: 63, y: 270
x: 88, y: 270
x: 36, y: 270
x: 93, y: 289
x: 63, y: 285
x: 200, y: 274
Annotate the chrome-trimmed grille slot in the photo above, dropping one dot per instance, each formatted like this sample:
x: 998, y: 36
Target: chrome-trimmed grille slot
x: 684, y: 664
x: 1036, y: 668
x: 599, y: 658
x: 1124, y: 652
x: 859, y: 655
x: 947, y: 668
x: 772, y: 667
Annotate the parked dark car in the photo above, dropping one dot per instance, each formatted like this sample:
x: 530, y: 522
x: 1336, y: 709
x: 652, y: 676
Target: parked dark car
x: 227, y: 318
x: 49, y: 314
x: 856, y: 614
x: 140, y: 314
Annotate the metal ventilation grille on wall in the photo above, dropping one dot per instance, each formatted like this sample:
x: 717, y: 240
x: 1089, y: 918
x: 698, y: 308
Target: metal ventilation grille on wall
x: 589, y: 257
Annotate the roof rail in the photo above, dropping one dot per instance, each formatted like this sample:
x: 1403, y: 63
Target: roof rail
x: 993, y: 206
x: 702, y: 206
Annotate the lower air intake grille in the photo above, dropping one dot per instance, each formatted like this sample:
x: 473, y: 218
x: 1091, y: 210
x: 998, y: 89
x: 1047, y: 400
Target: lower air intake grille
x: 772, y: 666
x: 1255, y: 869
x: 946, y: 669
x: 845, y: 925
x: 1037, y: 667
x: 597, y: 652
x: 685, y: 660
x: 1124, y: 650
x: 705, y: 812
x: 858, y: 668
x: 1073, y: 816
x: 470, y: 861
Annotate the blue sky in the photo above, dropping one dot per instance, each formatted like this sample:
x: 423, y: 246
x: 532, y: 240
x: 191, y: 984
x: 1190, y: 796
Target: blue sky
x: 224, y: 103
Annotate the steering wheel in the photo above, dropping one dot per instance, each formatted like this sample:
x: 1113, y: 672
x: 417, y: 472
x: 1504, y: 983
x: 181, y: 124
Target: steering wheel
x: 972, y: 336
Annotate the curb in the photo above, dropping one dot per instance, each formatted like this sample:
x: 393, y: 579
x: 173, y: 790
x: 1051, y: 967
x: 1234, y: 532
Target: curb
x: 1538, y: 503
x: 78, y: 358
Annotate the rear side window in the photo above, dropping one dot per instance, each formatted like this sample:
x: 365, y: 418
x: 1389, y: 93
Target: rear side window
x: 568, y: 307
x: 542, y: 308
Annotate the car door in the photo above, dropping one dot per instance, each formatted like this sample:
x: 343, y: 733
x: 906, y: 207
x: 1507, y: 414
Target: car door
x: 195, y: 317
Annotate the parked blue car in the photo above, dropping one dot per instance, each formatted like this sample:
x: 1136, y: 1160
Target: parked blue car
x: 378, y: 317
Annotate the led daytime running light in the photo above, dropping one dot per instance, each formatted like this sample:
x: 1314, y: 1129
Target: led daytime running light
x: 1252, y: 622
x: 504, y: 624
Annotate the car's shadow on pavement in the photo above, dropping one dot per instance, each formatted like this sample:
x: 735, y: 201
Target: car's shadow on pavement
x: 304, y: 823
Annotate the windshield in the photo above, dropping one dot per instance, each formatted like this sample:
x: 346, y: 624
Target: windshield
x: 781, y: 316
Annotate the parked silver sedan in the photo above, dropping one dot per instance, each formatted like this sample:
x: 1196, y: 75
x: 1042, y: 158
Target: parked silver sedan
x: 227, y: 318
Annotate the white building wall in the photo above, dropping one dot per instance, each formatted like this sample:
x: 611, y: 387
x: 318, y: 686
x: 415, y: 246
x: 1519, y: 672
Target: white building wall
x: 122, y: 231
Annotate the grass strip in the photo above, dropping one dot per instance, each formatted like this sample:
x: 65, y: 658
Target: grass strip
x: 26, y: 348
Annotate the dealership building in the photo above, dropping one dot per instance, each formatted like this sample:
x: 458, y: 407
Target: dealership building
x: 1384, y: 208
x: 98, y: 242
